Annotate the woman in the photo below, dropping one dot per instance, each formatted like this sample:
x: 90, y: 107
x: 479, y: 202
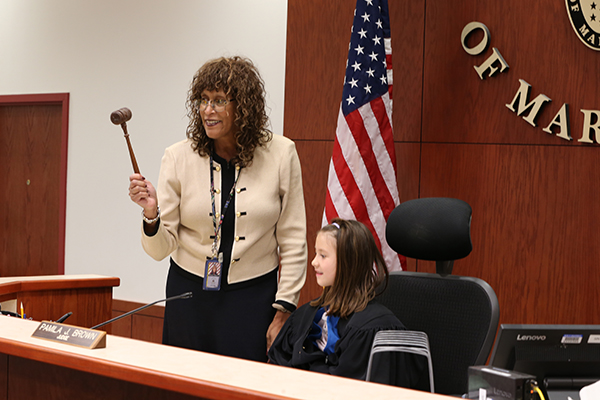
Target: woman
x: 229, y: 211
x: 333, y: 334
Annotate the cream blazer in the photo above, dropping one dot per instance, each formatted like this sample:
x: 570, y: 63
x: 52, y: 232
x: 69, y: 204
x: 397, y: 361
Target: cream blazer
x: 270, y: 224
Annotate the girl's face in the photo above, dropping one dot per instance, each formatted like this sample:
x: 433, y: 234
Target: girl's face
x: 325, y: 261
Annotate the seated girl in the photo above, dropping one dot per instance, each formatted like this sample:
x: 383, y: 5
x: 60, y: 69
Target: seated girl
x: 333, y: 333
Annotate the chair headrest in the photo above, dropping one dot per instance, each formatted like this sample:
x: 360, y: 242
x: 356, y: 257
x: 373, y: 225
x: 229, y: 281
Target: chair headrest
x: 435, y: 228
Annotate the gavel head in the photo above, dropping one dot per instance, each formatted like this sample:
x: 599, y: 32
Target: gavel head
x: 120, y: 116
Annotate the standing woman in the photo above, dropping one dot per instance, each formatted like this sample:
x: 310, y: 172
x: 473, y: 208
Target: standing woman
x: 230, y: 213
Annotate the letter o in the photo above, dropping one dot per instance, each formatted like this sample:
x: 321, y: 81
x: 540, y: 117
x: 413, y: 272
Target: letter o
x: 480, y: 48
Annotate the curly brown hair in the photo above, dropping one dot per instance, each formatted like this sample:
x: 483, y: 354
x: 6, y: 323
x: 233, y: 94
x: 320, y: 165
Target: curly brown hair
x: 241, y: 81
x: 361, y: 272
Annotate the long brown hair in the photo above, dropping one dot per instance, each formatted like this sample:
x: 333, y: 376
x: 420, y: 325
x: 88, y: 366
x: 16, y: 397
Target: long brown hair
x: 240, y: 80
x: 360, y: 269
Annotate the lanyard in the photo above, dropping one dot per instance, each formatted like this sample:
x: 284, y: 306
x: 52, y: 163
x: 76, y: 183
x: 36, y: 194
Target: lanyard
x: 217, y: 225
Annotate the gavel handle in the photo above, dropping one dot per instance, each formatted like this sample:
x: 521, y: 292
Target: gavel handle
x: 131, y: 155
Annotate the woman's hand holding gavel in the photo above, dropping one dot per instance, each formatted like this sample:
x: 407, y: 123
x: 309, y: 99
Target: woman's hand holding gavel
x: 143, y: 193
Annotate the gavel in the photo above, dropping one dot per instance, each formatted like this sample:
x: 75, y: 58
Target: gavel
x: 120, y: 117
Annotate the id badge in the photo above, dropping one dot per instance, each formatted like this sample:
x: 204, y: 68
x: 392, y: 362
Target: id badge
x: 212, y: 275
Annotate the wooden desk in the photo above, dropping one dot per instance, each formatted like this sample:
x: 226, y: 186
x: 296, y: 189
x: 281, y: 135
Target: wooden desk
x: 49, y: 297
x: 131, y: 369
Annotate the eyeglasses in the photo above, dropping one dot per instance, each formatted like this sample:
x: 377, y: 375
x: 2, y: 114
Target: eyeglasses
x: 217, y: 104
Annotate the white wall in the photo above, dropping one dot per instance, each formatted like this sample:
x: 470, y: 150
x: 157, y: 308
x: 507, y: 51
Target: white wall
x: 139, y: 54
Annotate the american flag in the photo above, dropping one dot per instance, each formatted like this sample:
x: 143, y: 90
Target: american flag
x: 362, y: 171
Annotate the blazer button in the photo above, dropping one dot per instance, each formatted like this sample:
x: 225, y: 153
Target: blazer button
x: 218, y: 168
x: 217, y: 191
x: 237, y: 238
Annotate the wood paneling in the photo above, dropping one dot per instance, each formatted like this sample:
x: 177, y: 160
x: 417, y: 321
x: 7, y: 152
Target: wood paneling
x: 532, y: 193
x: 542, y: 50
x: 408, y: 160
x: 121, y: 327
x: 314, y: 157
x: 88, y: 297
x: 87, y: 305
x: 317, y: 48
x: 532, y: 228
x: 318, y: 34
x: 3, y: 377
x: 146, y: 324
x: 54, y: 382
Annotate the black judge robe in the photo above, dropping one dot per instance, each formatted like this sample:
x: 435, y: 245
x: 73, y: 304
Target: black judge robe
x: 350, y: 358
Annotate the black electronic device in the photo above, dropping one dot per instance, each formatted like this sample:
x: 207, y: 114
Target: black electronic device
x: 563, y: 358
x: 494, y: 383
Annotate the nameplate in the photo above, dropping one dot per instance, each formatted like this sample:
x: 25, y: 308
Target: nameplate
x: 69, y: 334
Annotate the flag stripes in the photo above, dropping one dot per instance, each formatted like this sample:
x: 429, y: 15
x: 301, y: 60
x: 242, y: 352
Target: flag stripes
x: 362, y: 171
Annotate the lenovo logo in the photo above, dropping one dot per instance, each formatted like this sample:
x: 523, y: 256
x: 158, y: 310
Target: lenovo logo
x: 531, y: 338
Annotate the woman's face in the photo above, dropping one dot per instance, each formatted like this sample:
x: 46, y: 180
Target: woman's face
x: 325, y: 261
x: 218, y: 124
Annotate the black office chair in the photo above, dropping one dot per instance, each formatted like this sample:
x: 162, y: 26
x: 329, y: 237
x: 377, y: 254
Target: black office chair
x: 459, y: 314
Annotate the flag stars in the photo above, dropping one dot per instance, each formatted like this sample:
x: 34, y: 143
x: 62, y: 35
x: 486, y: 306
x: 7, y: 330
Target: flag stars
x: 367, y: 76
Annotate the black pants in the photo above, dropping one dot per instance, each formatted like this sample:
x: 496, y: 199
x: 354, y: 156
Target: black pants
x: 231, y: 322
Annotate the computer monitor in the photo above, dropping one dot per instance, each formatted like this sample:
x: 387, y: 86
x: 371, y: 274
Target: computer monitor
x: 562, y: 357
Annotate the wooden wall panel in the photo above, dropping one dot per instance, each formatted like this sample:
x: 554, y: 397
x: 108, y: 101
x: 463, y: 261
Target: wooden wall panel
x: 317, y: 49
x: 408, y: 160
x: 55, y: 382
x: 87, y: 305
x: 314, y: 157
x: 146, y: 324
x: 538, y: 43
x: 148, y: 328
x: 532, y: 193
x: 3, y: 377
x: 318, y: 34
x: 532, y: 225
